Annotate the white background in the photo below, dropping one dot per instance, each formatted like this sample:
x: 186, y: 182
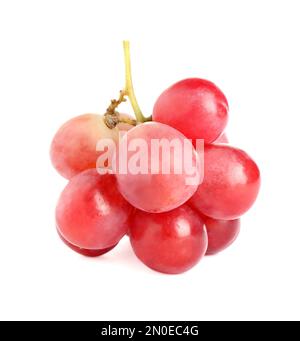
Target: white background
x: 59, y: 59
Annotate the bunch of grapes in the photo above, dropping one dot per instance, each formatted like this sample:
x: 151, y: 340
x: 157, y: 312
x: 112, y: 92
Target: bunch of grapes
x: 171, y: 223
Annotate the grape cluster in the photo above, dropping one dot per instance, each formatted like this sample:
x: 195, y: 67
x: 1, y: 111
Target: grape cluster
x: 171, y: 224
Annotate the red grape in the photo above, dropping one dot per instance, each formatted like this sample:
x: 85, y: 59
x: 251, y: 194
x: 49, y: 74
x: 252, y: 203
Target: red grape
x: 170, y: 242
x: 157, y: 191
x: 91, y: 213
x: 85, y: 252
x: 230, y: 185
x: 220, y: 233
x: 73, y: 148
x: 194, y: 106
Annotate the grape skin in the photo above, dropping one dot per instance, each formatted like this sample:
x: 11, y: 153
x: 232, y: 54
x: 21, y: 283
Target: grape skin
x: 171, y: 242
x: 73, y: 147
x: 91, y: 213
x: 156, y: 192
x: 231, y: 183
x: 220, y: 233
x: 194, y: 106
x: 85, y: 252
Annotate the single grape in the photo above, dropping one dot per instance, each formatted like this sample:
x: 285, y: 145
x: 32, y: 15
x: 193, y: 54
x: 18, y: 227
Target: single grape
x: 160, y: 190
x: 194, y: 106
x: 230, y: 185
x: 220, y: 233
x: 73, y: 148
x: 91, y: 213
x: 85, y: 252
x: 170, y: 242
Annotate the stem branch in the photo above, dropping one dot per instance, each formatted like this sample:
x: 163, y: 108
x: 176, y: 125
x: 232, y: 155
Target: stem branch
x: 112, y: 117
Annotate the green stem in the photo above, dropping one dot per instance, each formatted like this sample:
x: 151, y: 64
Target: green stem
x: 129, y: 86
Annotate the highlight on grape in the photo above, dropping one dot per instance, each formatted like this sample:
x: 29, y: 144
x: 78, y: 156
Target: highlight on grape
x: 160, y: 156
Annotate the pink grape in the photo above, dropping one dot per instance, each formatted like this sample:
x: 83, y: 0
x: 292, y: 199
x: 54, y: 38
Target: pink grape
x: 221, y: 233
x: 91, y: 213
x: 170, y: 242
x: 85, y: 252
x: 73, y: 148
x: 230, y: 185
x: 194, y: 106
x: 157, y: 192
